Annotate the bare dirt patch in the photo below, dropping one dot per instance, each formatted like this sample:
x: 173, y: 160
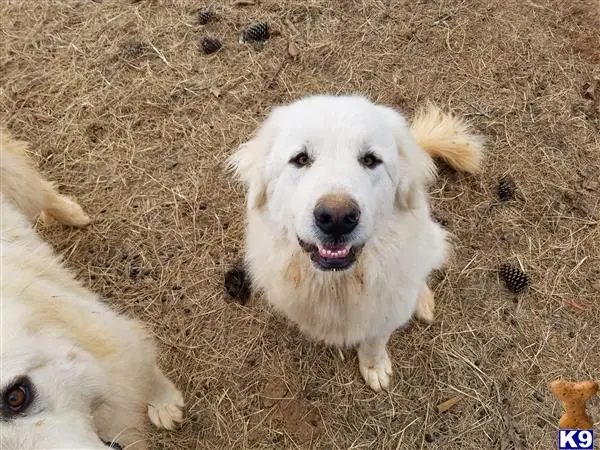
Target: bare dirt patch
x: 129, y: 116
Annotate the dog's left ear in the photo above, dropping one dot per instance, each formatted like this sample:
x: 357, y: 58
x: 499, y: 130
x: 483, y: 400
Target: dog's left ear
x: 420, y: 166
x: 248, y: 162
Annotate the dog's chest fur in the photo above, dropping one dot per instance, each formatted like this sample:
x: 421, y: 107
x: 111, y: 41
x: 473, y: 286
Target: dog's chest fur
x: 328, y: 306
x: 344, y: 308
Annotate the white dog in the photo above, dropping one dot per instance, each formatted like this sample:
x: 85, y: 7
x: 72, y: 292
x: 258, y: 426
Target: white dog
x: 339, y: 234
x: 73, y: 373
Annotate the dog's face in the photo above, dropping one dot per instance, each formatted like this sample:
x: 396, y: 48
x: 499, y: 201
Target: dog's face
x: 47, y: 394
x: 329, y: 172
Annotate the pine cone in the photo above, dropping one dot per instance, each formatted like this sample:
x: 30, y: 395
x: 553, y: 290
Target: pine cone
x: 515, y: 279
x: 506, y: 188
x: 205, y: 16
x: 210, y: 45
x: 237, y: 284
x: 258, y: 32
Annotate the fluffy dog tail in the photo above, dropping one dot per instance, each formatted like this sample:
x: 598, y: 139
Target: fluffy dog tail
x: 23, y: 185
x: 448, y: 137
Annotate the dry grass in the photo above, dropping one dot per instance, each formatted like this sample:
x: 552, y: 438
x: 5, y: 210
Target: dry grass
x: 120, y: 107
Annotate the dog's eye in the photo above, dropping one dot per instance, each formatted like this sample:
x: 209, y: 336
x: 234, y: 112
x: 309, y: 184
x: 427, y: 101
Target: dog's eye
x: 370, y: 161
x: 301, y: 160
x: 18, y: 396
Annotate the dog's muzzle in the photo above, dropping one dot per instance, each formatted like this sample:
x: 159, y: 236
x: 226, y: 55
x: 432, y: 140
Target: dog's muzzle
x: 335, y: 218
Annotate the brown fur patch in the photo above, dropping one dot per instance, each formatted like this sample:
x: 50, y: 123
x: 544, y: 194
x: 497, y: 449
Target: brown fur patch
x: 337, y: 202
x: 359, y: 275
x: 292, y: 273
x: 261, y: 199
x: 76, y: 323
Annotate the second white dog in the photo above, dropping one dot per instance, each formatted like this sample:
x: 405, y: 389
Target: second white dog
x: 339, y: 234
x: 73, y: 373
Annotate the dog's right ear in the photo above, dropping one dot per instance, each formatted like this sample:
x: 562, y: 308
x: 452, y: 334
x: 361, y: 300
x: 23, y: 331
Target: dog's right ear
x: 248, y: 162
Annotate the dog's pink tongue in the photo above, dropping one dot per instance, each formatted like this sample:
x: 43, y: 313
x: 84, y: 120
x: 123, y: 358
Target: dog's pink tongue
x: 334, y: 251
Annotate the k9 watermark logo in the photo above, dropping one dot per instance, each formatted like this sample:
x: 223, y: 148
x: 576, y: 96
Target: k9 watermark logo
x: 575, y: 439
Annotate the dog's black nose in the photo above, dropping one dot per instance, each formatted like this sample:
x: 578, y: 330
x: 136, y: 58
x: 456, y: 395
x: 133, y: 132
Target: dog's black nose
x: 336, y: 215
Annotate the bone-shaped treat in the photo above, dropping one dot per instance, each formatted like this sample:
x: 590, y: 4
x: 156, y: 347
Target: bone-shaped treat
x: 574, y: 396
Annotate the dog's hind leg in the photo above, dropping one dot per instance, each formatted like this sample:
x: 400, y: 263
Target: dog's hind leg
x: 25, y: 186
x: 425, y: 305
x: 166, y: 408
x: 374, y: 363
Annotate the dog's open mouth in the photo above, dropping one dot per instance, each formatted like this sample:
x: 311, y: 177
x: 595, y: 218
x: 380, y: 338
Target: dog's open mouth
x: 331, y: 256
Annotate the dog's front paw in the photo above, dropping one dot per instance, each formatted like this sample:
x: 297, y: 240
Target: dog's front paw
x: 377, y: 373
x: 166, y: 409
x: 167, y: 414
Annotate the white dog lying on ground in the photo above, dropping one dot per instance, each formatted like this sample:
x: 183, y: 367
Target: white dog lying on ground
x: 339, y: 234
x: 73, y: 372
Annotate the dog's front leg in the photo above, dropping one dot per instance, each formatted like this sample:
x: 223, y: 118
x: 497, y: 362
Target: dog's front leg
x: 374, y: 362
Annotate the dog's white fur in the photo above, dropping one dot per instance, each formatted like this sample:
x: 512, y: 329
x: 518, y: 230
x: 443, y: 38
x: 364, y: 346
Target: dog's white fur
x: 361, y: 306
x: 93, y: 371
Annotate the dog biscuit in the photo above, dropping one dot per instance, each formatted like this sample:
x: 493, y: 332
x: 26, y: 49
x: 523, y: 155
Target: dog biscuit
x: 574, y: 396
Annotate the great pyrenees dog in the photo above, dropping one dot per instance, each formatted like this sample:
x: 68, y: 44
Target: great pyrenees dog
x: 339, y: 233
x: 74, y: 374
